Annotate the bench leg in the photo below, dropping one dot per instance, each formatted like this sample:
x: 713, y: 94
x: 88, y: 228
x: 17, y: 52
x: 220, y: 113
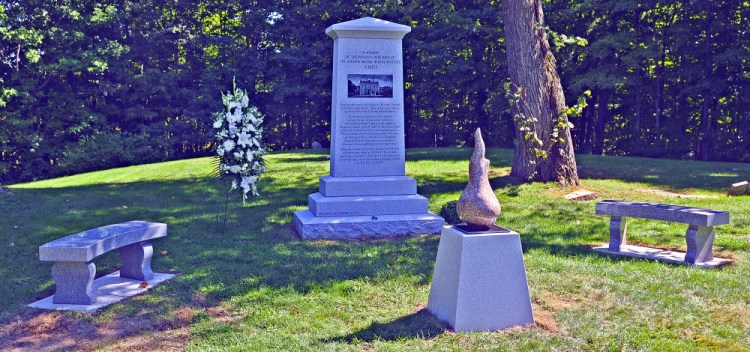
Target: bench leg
x: 618, y: 227
x: 74, y: 283
x: 136, y: 261
x: 700, y: 240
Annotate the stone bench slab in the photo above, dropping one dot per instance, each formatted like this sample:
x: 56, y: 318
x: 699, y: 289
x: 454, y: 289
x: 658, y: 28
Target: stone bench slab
x: 87, y: 245
x: 109, y: 289
x: 675, y: 213
x: 662, y: 255
x: 699, y: 236
x: 74, y: 270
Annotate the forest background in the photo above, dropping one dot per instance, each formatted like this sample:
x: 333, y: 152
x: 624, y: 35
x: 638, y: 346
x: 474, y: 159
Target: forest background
x: 87, y: 85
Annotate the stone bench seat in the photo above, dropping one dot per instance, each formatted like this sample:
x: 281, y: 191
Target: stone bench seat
x: 699, y: 236
x: 73, y: 270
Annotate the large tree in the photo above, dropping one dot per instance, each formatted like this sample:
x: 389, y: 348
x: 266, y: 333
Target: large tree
x: 544, y: 149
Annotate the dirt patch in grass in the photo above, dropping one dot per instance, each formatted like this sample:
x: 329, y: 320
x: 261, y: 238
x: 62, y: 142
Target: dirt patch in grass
x: 545, y: 306
x: 665, y: 193
x: 735, y: 314
x: 545, y: 319
x: 53, y: 331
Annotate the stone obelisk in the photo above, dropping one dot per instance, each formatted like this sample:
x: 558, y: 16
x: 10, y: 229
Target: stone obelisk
x: 367, y: 194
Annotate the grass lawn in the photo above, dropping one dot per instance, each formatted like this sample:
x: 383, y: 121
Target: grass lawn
x: 253, y: 285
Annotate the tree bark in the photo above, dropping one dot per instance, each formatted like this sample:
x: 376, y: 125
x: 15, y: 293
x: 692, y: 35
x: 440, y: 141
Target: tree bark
x: 659, y: 100
x: 602, y: 117
x: 706, y: 129
x: 532, y: 67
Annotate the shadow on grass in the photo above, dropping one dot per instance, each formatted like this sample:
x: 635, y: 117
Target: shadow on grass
x: 673, y: 174
x: 303, y: 159
x: 419, y: 325
x: 435, y: 185
x: 259, y: 249
x: 498, y: 157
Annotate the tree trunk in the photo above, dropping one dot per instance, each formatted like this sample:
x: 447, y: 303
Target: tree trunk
x: 590, y: 113
x: 602, y: 117
x: 659, y: 100
x: 532, y: 68
x: 706, y: 128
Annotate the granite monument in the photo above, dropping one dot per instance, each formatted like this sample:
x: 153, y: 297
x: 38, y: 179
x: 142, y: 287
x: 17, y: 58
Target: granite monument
x: 367, y: 194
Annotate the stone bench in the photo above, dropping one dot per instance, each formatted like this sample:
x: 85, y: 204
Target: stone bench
x: 700, y: 232
x: 74, y: 272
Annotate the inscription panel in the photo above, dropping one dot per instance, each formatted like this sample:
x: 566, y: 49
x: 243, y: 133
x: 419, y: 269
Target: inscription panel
x: 368, y: 113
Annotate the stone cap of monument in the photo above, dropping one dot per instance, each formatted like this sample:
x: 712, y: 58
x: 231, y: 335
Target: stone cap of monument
x: 368, y: 27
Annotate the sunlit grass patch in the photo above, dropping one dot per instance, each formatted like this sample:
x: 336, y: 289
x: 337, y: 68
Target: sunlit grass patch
x: 253, y: 285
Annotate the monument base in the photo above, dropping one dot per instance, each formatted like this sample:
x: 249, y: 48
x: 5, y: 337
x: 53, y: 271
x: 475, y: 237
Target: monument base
x: 479, y: 282
x: 311, y: 227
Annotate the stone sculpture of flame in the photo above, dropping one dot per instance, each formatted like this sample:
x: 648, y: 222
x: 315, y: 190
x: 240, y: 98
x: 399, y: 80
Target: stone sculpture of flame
x: 478, y: 206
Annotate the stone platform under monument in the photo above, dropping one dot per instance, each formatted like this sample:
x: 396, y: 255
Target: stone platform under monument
x: 367, y: 194
x: 369, y: 207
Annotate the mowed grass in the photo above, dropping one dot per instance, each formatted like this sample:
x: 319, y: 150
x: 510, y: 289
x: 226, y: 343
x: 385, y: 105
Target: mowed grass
x: 253, y: 285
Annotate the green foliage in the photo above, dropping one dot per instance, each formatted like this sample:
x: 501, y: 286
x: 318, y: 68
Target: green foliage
x: 449, y: 212
x: 671, y: 75
x: 108, y: 150
x: 528, y: 125
x: 559, y: 40
x: 512, y: 190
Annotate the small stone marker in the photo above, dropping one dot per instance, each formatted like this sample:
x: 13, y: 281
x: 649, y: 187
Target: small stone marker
x: 316, y: 145
x: 367, y: 194
x: 581, y: 195
x: 739, y: 188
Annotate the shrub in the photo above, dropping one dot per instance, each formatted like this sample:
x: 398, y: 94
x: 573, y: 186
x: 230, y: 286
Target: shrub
x: 449, y: 213
x: 108, y: 150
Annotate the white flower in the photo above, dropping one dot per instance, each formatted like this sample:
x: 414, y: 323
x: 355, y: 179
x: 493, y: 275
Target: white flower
x: 248, y: 182
x: 233, y: 130
x: 234, y: 117
x: 243, y: 139
x: 228, y: 145
x: 239, y: 139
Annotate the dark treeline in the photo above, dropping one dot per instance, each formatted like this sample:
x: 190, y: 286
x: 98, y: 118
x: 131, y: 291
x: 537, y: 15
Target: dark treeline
x: 94, y: 84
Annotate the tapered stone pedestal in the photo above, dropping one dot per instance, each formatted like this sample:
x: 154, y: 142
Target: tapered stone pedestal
x: 479, y: 282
